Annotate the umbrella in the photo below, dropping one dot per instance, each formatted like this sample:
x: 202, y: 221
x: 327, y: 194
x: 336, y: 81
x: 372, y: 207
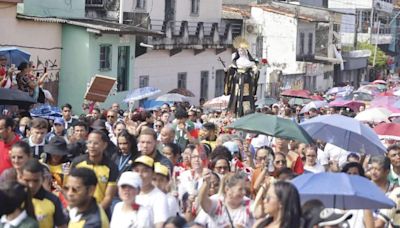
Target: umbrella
x: 313, y: 104
x: 375, y: 115
x: 15, y: 97
x: 271, y: 125
x: 340, y: 190
x: 379, y: 82
x: 301, y: 93
x: 152, y: 104
x: 141, y: 93
x: 386, y: 102
x: 361, y: 96
x: 397, y: 93
x: 370, y: 89
x: 183, y: 91
x: 46, y: 111
x: 386, y: 94
x: 334, y: 90
x: 266, y: 101
x: 217, y: 103
x: 298, y: 101
x: 388, y: 131
x: 353, y: 105
x: 316, y: 98
x: 344, y: 132
x: 172, y: 97
x: 15, y: 55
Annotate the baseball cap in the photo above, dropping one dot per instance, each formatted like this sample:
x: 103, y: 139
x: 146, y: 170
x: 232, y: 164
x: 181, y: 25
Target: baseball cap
x: 130, y: 178
x: 232, y: 147
x: 144, y: 160
x: 59, y: 120
x: 331, y: 217
x: 161, y: 169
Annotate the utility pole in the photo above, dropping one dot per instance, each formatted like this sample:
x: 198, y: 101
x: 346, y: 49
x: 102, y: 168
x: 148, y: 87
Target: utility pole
x: 371, y: 24
x: 121, y: 11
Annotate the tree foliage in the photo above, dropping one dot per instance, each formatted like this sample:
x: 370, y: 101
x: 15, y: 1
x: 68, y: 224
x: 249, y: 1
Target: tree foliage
x: 381, y: 57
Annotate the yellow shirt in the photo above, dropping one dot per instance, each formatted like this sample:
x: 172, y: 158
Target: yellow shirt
x: 48, y: 209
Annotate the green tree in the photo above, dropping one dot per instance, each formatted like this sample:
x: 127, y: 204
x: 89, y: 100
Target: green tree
x: 381, y: 57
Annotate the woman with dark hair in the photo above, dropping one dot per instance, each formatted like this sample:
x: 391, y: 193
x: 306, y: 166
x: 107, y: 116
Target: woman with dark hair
x: 18, y: 206
x: 172, y: 152
x: 127, y: 151
x: 220, y: 165
x: 353, y: 168
x: 281, y: 206
x: 175, y: 222
x: 19, y: 156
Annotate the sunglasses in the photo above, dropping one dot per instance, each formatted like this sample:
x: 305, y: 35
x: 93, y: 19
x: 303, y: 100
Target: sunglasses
x: 280, y: 162
x: 110, y: 116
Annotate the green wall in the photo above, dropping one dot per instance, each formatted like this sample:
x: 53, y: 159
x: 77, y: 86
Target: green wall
x: 81, y: 51
x: 55, y: 8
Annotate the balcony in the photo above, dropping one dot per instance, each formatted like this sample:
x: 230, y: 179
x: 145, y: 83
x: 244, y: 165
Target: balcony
x: 191, y: 35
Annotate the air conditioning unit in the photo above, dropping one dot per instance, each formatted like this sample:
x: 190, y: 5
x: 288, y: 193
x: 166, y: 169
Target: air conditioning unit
x: 252, y: 28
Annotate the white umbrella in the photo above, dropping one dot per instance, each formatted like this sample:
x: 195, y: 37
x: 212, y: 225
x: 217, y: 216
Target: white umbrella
x: 375, y: 115
x: 141, y: 93
x: 172, y: 97
x: 217, y: 103
x: 313, y: 104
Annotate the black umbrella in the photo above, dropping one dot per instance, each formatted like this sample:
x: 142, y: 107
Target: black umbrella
x: 15, y: 97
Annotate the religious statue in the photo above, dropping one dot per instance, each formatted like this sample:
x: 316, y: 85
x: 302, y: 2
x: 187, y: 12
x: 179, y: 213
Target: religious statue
x: 241, y: 79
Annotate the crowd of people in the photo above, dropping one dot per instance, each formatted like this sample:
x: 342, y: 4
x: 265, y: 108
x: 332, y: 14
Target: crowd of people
x: 173, y: 167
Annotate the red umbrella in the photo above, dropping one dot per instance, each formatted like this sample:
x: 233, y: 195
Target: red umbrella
x: 301, y: 93
x: 183, y: 91
x: 316, y: 98
x: 379, y: 82
x: 353, y: 105
x: 385, y: 102
x: 388, y: 130
x: 386, y: 94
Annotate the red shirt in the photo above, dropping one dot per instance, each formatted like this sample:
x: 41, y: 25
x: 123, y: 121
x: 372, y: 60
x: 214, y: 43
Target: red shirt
x: 5, y: 161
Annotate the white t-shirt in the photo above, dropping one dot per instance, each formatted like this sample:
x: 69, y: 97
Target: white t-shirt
x: 188, y: 184
x: 157, y: 200
x: 240, y: 216
x: 173, y: 206
x: 334, y: 153
x: 317, y: 168
x: 141, y: 218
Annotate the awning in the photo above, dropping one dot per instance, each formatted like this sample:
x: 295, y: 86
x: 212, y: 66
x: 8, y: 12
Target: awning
x: 101, y: 26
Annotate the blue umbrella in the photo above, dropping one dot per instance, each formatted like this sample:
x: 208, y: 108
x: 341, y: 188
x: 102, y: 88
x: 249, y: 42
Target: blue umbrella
x: 46, y: 111
x: 15, y: 55
x: 340, y: 190
x: 152, y: 104
x: 141, y: 93
x: 344, y: 132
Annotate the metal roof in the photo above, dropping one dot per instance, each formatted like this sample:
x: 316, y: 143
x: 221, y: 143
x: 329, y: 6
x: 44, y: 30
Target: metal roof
x: 97, y: 24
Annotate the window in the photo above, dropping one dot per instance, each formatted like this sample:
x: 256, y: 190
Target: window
x: 204, y: 84
x: 194, y: 9
x: 219, y: 82
x: 105, y: 57
x: 123, y: 68
x: 140, y: 4
x: 310, y: 43
x: 182, y: 80
x: 301, y: 43
x: 143, y: 81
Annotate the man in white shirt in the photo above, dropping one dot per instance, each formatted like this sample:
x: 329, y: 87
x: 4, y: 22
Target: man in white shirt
x: 149, y: 195
x: 311, y: 164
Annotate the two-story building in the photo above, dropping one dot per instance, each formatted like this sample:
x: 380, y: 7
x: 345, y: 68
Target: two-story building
x: 89, y: 47
x: 299, y: 44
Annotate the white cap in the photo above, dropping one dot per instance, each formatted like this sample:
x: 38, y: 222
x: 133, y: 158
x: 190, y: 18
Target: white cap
x: 130, y: 178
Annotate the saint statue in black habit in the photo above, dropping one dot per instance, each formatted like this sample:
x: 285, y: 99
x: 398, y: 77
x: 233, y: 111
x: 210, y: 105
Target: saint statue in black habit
x: 241, y: 80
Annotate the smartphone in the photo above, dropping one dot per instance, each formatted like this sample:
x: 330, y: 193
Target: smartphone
x: 45, y: 70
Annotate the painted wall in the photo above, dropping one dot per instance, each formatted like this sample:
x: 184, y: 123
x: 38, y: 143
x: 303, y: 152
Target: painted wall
x: 209, y: 11
x: 154, y: 7
x: 45, y: 51
x: 75, y: 71
x: 55, y: 8
x: 280, y: 33
x: 163, y: 70
x: 81, y: 63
